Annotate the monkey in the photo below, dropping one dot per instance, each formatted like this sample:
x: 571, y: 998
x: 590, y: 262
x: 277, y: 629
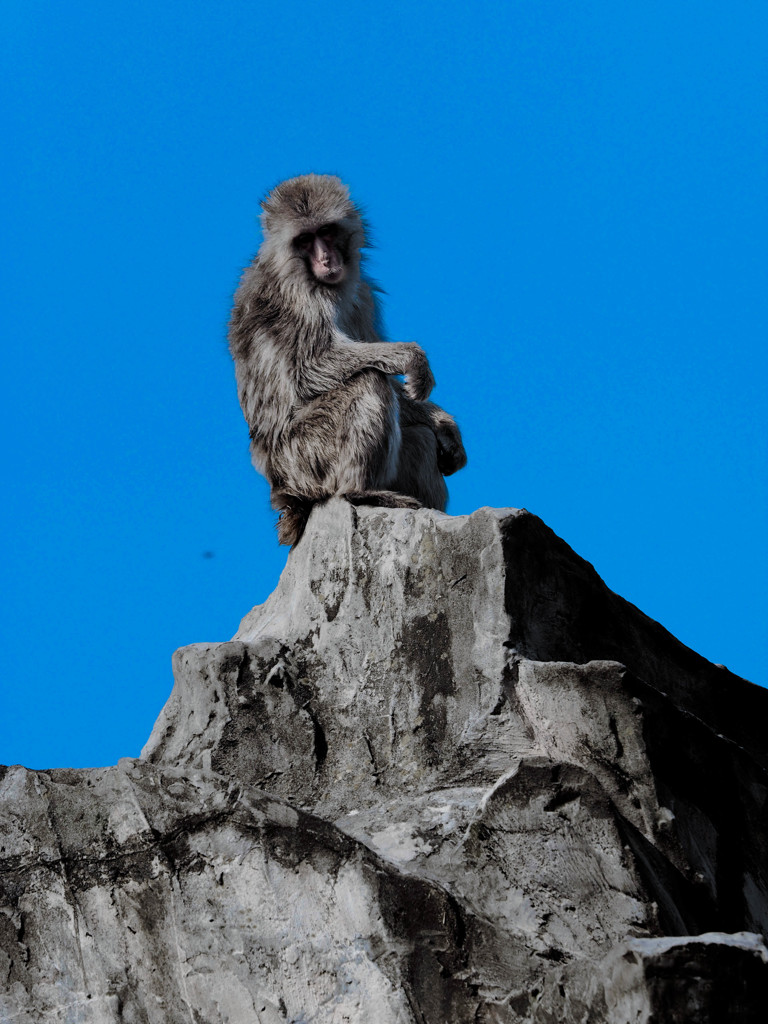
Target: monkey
x: 319, y: 388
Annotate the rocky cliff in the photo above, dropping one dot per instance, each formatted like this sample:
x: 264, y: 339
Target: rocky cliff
x: 443, y: 775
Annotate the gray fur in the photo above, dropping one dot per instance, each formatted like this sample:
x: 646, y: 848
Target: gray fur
x: 315, y: 380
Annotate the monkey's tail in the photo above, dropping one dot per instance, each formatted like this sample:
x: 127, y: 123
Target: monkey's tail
x: 294, y: 513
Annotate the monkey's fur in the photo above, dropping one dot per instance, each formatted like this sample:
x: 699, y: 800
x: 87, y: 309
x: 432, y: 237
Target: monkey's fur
x: 314, y: 378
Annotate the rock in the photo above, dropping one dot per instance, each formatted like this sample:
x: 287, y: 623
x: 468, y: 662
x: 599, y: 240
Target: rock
x: 442, y: 775
x: 712, y: 977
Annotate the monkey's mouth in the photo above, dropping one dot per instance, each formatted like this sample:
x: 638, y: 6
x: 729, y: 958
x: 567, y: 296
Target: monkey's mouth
x: 332, y: 274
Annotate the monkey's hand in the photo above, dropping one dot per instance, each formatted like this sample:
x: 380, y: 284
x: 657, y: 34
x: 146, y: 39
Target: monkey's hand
x: 450, y: 449
x: 418, y: 376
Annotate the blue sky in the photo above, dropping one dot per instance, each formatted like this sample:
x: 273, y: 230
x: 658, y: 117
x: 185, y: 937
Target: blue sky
x: 569, y: 205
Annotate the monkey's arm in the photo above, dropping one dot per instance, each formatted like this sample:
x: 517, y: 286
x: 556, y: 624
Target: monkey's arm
x: 345, y: 358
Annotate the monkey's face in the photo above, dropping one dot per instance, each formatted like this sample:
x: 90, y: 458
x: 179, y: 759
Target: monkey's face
x: 324, y: 253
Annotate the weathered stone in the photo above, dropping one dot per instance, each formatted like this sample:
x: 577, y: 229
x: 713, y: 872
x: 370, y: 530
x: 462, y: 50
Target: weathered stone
x: 442, y: 775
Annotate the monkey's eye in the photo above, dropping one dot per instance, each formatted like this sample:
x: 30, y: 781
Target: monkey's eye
x: 328, y: 232
x: 304, y: 240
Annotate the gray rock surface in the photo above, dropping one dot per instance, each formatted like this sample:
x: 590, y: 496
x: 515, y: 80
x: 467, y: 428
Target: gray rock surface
x: 442, y: 775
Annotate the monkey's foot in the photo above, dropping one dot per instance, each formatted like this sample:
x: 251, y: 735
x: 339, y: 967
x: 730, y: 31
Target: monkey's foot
x: 450, y: 451
x: 385, y: 499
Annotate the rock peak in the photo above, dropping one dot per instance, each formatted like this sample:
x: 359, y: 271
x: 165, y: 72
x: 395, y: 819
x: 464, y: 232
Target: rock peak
x: 442, y: 774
